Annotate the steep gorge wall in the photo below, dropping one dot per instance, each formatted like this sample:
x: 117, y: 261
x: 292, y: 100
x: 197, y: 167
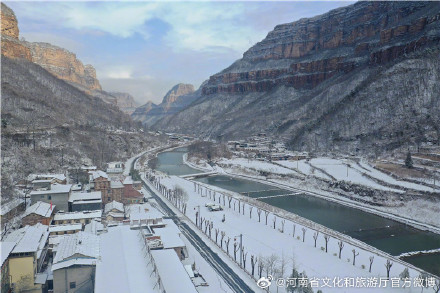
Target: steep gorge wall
x: 58, y: 61
x: 304, y: 53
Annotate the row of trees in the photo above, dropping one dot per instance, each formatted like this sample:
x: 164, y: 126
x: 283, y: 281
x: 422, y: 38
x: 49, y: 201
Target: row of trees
x: 257, y: 266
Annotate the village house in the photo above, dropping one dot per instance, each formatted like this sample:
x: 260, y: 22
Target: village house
x: 170, y: 238
x: 114, y: 211
x: 77, y: 217
x: 99, y: 181
x: 53, y: 178
x: 94, y: 227
x: 9, y: 210
x: 65, y: 229
x: 40, y: 212
x: 57, y: 194
x: 85, y: 201
x: 131, y: 195
x: 172, y: 276
x: 117, y: 191
x: 27, y: 258
x: 144, y: 215
x: 115, y: 168
x: 6, y: 249
x: 74, y: 265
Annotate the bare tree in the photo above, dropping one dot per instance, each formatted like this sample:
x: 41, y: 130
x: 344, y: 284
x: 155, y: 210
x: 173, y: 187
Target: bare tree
x: 341, y: 245
x: 261, y: 266
x: 282, y: 265
x: 229, y: 200
x: 274, y: 220
x: 210, y: 225
x: 239, y: 206
x: 244, y: 259
x: 236, y: 248
x: 227, y: 245
x: 270, y: 263
x: 242, y: 208
x: 371, y: 262
x: 326, y: 238
x: 388, y: 266
x: 222, y: 236
x: 253, y: 262
x: 294, y: 229
x: 354, y: 256
x: 250, y: 212
x: 259, y: 214
x: 304, y: 232
x: 266, y: 213
x: 234, y: 204
x: 315, y: 236
x: 216, y: 234
x: 224, y: 196
x: 283, y: 222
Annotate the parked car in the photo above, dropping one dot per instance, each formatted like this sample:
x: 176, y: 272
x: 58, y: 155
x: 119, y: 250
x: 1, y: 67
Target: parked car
x: 209, y: 204
x: 215, y: 208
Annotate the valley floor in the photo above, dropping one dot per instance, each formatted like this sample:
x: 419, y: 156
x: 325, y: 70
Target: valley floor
x: 315, y: 175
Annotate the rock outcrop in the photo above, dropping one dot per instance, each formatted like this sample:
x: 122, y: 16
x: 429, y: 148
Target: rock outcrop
x: 125, y: 102
x: 176, y: 99
x: 359, y: 78
x: 58, y: 61
x: 304, y: 53
x: 9, y: 22
x: 64, y: 65
x: 11, y: 45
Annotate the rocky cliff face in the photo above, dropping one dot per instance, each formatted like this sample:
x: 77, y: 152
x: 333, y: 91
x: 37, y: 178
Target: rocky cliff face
x: 64, y: 65
x: 58, y: 61
x: 9, y: 22
x: 11, y: 46
x: 304, y: 53
x: 125, y: 102
x: 312, y: 75
x: 179, y: 97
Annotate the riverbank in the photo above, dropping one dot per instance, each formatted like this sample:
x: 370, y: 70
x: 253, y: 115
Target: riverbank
x: 408, y: 214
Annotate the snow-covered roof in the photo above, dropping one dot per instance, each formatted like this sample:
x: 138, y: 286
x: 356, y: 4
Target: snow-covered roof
x: 7, y: 206
x: 114, y: 205
x: 81, y: 243
x: 88, y: 167
x: 40, y: 208
x: 170, y: 237
x: 54, y: 188
x: 128, y: 180
x: 6, y: 249
x: 66, y: 227
x: 76, y: 196
x: 41, y: 181
x: 60, y: 177
x: 28, y: 238
x: 96, y: 174
x: 78, y: 215
x: 41, y: 278
x: 173, y: 275
x: 116, y: 184
x: 94, y: 227
x: 128, y: 267
x: 142, y: 212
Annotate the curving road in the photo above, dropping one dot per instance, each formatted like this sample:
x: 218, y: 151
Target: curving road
x: 222, y: 269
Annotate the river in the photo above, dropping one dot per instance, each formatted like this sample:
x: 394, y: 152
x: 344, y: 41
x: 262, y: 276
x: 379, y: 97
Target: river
x: 387, y: 235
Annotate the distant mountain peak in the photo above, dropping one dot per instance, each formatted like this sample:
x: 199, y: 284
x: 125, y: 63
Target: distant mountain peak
x: 175, y: 92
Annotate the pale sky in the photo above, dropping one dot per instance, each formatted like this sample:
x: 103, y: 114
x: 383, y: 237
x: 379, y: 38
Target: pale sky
x: 144, y: 48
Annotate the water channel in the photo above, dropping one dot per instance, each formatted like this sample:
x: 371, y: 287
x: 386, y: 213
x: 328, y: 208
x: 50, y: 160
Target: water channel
x: 387, y: 235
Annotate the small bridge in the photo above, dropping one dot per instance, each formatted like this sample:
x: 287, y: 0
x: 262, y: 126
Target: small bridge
x: 199, y: 175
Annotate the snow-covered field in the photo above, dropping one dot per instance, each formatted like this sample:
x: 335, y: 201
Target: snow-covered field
x: 396, y: 208
x: 263, y: 241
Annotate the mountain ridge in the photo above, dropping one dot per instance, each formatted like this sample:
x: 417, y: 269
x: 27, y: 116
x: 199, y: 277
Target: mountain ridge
x: 287, y: 84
